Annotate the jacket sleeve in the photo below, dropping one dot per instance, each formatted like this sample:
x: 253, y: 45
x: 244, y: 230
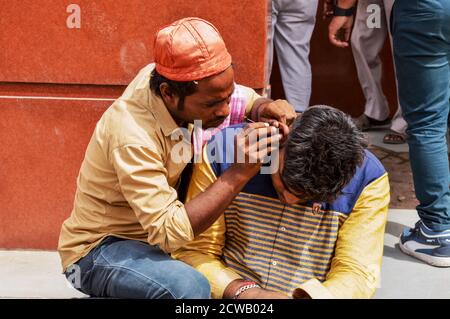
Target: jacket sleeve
x: 143, y: 182
x: 356, y: 265
x: 249, y: 97
x: 205, y: 251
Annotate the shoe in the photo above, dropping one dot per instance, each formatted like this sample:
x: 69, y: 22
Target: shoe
x: 427, y: 245
x: 395, y: 138
x: 365, y: 123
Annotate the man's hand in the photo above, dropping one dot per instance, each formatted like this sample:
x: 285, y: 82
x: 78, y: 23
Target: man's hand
x: 265, y: 110
x: 252, y: 293
x: 260, y: 293
x: 253, y: 144
x: 339, y: 31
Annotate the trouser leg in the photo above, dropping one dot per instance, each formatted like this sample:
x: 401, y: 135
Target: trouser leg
x: 421, y: 38
x: 132, y: 269
x: 367, y: 41
x: 292, y: 35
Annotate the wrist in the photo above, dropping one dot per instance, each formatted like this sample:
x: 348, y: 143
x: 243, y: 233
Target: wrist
x: 244, y: 171
x: 245, y: 288
x: 344, y: 4
x: 343, y: 10
x: 257, y: 109
x: 236, y: 288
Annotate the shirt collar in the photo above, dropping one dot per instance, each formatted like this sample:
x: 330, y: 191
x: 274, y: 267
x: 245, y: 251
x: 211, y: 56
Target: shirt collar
x: 162, y: 115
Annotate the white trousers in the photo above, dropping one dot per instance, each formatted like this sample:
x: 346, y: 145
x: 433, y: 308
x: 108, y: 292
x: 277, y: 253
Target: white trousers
x: 291, y: 24
x: 366, y: 44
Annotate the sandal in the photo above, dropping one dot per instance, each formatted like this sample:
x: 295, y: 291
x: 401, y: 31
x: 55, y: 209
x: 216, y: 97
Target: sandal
x: 365, y: 123
x: 394, y: 138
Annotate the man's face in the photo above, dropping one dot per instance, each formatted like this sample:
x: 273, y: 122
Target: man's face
x: 284, y: 194
x: 210, y: 103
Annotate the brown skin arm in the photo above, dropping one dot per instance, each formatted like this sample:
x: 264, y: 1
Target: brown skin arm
x: 265, y: 110
x: 341, y: 24
x: 252, y: 293
x: 204, y: 209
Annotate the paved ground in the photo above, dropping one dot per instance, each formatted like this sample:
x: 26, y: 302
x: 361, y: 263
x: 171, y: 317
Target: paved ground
x: 395, y: 159
x: 36, y: 274
x: 403, y: 276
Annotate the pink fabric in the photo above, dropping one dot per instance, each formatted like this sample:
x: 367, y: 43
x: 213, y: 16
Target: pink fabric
x: 237, y: 115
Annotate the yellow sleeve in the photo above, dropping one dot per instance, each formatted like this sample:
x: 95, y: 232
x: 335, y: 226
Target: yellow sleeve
x: 143, y: 182
x: 250, y: 96
x: 356, y: 266
x: 205, y: 251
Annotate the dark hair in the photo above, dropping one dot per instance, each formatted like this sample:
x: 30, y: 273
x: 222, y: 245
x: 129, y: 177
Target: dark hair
x: 323, y: 151
x: 180, y: 89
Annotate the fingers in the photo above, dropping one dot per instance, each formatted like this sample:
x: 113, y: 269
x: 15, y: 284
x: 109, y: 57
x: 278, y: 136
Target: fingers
x: 334, y: 28
x: 254, y: 144
x: 282, y: 111
x: 332, y: 37
x: 255, y: 125
x: 284, y: 130
x: 259, y: 150
x: 260, y: 128
x: 348, y: 33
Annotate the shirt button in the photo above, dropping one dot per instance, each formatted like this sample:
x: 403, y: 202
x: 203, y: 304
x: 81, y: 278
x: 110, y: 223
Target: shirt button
x: 274, y: 263
x: 283, y: 228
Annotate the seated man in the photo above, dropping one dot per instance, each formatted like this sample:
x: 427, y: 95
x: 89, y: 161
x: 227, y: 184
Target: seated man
x: 312, y: 229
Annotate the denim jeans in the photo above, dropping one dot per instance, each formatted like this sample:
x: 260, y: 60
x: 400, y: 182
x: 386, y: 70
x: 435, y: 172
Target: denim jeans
x: 122, y: 268
x: 421, y: 43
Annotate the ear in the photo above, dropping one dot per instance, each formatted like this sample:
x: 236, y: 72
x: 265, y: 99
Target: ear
x: 169, y: 98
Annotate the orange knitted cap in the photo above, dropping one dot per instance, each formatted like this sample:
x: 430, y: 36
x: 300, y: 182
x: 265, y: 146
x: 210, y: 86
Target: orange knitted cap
x: 190, y: 49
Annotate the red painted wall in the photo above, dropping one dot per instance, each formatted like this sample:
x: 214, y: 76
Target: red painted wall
x: 116, y: 38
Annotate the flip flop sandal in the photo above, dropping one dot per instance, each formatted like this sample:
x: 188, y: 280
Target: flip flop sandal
x: 394, y: 138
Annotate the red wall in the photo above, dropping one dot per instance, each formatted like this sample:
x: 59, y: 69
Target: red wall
x: 116, y: 38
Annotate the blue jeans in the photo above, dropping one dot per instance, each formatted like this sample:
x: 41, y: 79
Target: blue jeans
x: 421, y: 41
x: 122, y: 268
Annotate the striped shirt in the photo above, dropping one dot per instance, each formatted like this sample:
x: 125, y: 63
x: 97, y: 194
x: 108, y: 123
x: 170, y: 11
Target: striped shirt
x: 333, y: 252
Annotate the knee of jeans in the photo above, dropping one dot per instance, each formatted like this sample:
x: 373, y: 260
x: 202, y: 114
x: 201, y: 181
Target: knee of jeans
x: 192, y: 285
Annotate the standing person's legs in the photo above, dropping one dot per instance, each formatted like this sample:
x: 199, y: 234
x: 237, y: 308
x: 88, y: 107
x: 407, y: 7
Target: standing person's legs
x: 398, y: 129
x: 271, y: 21
x: 293, y: 30
x: 398, y: 125
x: 367, y: 43
x: 421, y: 36
x: 121, y: 268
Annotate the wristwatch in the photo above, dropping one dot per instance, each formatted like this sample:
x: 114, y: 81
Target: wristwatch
x: 339, y: 12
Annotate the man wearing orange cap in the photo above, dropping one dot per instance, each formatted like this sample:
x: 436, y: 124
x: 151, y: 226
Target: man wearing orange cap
x: 127, y: 217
